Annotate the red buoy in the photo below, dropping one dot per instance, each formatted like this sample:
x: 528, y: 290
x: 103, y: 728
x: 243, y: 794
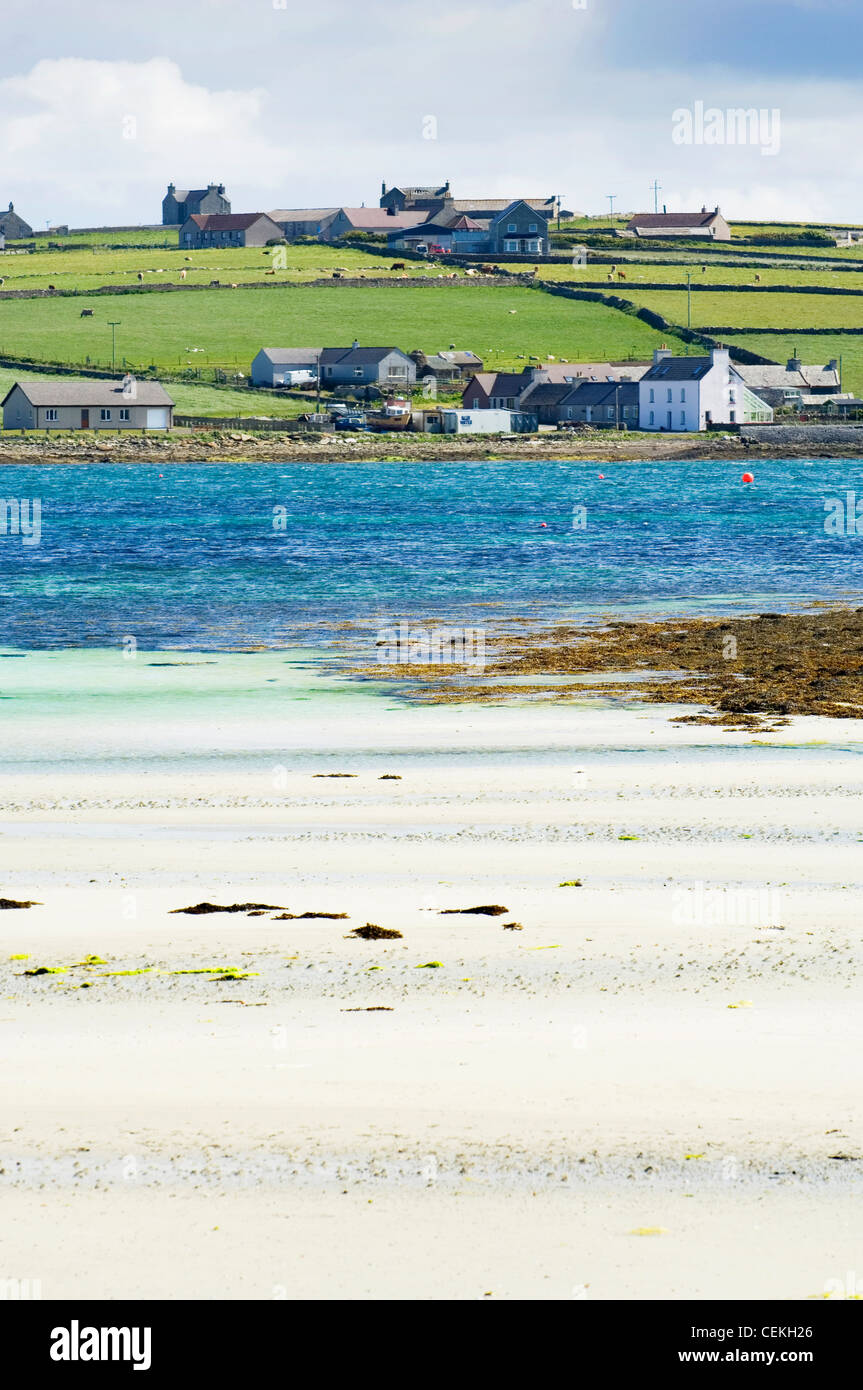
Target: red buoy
x: 748, y: 478
x: 543, y: 525
x: 600, y: 475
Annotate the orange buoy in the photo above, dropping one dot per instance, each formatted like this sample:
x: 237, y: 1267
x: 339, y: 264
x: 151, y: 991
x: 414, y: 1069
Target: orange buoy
x: 600, y: 475
x: 748, y: 478
x: 543, y: 525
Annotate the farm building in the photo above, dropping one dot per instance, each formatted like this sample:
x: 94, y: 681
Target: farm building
x: 367, y: 366
x: 285, y: 366
x: 13, y: 227
x: 179, y: 204
x: 297, y: 222
x: 375, y: 220
x: 496, y: 390
x: 228, y: 229
x: 88, y: 405
x: 709, y: 224
x: 691, y: 393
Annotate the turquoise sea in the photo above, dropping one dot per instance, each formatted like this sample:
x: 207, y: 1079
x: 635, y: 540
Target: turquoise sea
x: 225, y: 556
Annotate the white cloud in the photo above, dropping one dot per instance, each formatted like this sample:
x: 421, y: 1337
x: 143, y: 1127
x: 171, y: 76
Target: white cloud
x: 98, y: 141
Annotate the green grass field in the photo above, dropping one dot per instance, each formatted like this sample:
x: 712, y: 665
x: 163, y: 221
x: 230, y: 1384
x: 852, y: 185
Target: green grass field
x: 227, y: 327
x: 640, y: 271
x: 87, y: 269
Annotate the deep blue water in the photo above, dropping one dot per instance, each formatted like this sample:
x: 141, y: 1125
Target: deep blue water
x: 193, y: 559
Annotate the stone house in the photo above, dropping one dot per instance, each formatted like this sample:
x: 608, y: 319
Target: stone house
x: 179, y: 204
x: 201, y: 231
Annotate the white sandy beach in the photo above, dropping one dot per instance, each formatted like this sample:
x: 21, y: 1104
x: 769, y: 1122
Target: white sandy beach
x: 673, y: 1046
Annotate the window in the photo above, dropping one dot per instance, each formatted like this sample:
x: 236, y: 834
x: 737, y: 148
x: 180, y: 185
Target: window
x: 683, y: 393
x: 512, y: 227
x: 668, y: 393
x: 652, y: 396
x: 609, y: 411
x: 358, y: 371
x: 104, y: 414
x: 651, y: 417
x: 569, y: 412
x: 534, y: 246
x: 683, y: 419
x: 124, y: 413
x: 733, y: 417
x: 732, y: 396
x: 51, y: 414
x: 476, y: 403
x: 329, y: 371
x: 532, y: 227
x: 510, y: 246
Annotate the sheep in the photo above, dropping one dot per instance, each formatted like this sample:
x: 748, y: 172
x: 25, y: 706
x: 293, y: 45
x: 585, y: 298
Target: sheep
x: 183, y: 274
x: 86, y: 313
x: 269, y: 272
x: 704, y: 270
x: 234, y: 286
x: 758, y: 279
x: 140, y: 277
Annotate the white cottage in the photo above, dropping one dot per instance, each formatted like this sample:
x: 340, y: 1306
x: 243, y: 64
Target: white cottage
x: 691, y: 393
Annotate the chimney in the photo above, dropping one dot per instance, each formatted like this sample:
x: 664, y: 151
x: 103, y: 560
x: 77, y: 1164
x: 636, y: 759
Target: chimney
x: 355, y: 343
x: 832, y: 365
x: 660, y: 353
x: 794, y: 364
x: 383, y: 188
x: 172, y: 188
x: 720, y: 355
x: 703, y: 207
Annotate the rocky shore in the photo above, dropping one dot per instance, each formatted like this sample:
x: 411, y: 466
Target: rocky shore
x: 234, y: 446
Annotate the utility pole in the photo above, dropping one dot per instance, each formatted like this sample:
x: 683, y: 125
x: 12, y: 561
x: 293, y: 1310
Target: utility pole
x: 689, y: 299
x: 114, y: 325
x: 656, y: 186
x: 611, y: 197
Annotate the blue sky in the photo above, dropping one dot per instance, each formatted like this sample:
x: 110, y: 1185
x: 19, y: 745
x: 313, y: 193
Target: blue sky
x: 293, y: 103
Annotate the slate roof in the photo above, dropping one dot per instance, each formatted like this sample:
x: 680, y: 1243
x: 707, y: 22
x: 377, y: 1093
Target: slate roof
x: 283, y: 357
x: 226, y: 221
x: 87, y: 393
x: 672, y: 220
x: 361, y: 356
x: 785, y: 378
x: 680, y: 369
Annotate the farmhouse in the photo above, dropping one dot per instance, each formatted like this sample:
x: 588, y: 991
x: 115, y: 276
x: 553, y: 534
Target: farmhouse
x: 179, y: 204
x: 229, y: 229
x: 426, y: 199
x: 285, y: 366
x: 13, y: 227
x: 708, y: 224
x: 602, y: 403
x: 691, y: 393
x: 367, y: 366
x: 88, y: 405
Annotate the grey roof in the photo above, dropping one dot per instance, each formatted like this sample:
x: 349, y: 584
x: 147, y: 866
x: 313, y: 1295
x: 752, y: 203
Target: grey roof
x: 301, y: 214
x: 592, y: 393
x: 680, y: 369
x: 88, y: 393
x: 785, y: 377
x: 547, y: 393
x: 359, y: 355
x: 283, y: 357
x: 493, y: 205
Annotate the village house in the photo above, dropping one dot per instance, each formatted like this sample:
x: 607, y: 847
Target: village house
x: 796, y: 385
x: 709, y: 224
x: 447, y: 367
x: 604, y: 404
x: 412, y: 198
x: 367, y: 366
x: 179, y: 204
x: 285, y: 366
x: 88, y: 405
x: 13, y: 227
x: 496, y: 390
x: 297, y: 222
x: 203, y: 230
x: 692, y: 393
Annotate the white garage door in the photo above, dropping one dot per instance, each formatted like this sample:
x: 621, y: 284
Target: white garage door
x: 157, y: 417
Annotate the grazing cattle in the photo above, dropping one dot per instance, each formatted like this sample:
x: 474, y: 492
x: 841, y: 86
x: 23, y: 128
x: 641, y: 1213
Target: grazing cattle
x: 704, y: 270
x: 269, y: 272
x: 86, y: 313
x: 52, y: 287
x: 621, y: 275
x: 215, y: 283
x: 758, y: 279
x: 337, y: 275
x: 613, y: 269
x: 397, y: 265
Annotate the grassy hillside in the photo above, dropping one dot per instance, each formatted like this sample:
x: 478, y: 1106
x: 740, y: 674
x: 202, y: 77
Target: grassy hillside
x: 227, y: 327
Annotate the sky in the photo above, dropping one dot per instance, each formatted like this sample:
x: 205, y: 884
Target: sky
x: 313, y: 103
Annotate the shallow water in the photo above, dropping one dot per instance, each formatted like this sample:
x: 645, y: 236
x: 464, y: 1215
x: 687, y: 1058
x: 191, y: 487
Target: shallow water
x: 200, y: 556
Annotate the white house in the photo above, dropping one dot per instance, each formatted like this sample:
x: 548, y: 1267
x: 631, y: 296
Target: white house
x: 285, y: 366
x: 88, y: 405
x: 691, y: 393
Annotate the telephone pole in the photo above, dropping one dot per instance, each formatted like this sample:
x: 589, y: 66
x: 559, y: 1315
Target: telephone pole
x: 611, y: 197
x: 114, y: 325
x: 656, y: 186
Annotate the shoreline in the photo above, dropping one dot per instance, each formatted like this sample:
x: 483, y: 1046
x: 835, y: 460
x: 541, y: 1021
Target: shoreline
x: 233, y: 446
